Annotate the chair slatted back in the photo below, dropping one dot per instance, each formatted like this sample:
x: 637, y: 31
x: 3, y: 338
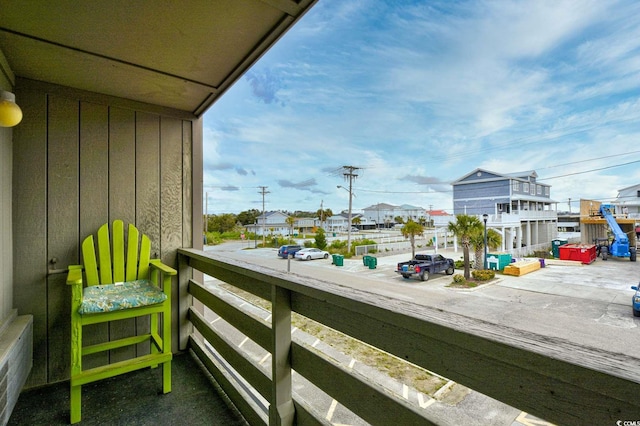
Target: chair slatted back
x: 114, y: 266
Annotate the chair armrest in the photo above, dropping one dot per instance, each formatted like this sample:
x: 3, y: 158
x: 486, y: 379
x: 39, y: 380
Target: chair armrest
x: 167, y: 270
x: 75, y: 275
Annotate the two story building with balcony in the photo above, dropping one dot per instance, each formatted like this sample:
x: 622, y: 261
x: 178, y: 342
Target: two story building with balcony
x: 628, y: 201
x: 385, y: 214
x: 518, y: 206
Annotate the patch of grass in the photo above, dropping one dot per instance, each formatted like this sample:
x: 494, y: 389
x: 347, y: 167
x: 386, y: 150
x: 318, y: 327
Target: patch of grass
x: 406, y: 372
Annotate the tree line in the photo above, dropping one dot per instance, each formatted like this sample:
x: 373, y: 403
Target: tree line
x: 228, y: 222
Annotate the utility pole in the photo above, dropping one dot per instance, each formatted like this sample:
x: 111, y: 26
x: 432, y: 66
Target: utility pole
x: 349, y: 173
x: 263, y: 191
x: 321, y: 213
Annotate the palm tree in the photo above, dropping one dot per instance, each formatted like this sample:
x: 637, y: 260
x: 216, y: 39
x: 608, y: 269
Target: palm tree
x: 464, y: 228
x: 410, y: 230
x: 494, y: 239
x: 323, y: 214
x: 290, y: 221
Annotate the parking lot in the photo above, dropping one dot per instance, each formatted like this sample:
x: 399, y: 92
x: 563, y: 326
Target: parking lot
x: 585, y: 304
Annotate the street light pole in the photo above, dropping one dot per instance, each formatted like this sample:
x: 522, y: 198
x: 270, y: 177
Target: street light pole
x: 485, y: 217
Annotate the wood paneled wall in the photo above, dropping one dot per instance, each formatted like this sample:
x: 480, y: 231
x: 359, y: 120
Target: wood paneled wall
x: 81, y: 160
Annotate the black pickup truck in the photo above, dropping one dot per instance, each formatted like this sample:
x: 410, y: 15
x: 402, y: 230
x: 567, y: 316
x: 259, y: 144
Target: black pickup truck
x: 424, y: 264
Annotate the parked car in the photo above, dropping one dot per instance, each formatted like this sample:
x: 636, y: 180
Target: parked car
x: 635, y: 301
x: 424, y: 264
x: 354, y: 229
x: 288, y: 250
x: 311, y: 253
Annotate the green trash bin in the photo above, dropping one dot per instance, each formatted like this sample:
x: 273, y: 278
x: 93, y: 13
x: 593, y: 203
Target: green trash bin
x: 373, y: 262
x: 339, y: 260
x: 365, y: 260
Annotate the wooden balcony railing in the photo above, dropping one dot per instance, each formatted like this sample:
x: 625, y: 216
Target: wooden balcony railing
x: 551, y: 378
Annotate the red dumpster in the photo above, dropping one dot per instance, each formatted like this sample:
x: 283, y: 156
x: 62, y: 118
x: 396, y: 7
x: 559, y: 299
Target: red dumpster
x: 585, y: 253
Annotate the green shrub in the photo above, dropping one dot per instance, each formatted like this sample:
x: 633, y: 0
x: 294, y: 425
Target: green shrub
x: 338, y: 244
x: 459, y: 264
x: 214, y: 238
x: 458, y: 278
x: 484, y: 275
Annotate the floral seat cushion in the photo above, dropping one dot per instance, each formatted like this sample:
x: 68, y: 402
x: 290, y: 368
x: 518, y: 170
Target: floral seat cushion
x: 114, y: 297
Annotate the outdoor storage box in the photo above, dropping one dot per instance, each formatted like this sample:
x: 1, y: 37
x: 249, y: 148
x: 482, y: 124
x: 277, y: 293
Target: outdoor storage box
x: 498, y: 261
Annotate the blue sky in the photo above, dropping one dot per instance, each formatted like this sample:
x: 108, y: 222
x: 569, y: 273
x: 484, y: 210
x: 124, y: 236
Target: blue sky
x: 419, y: 93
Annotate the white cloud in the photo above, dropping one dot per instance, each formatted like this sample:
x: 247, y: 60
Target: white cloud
x: 433, y: 90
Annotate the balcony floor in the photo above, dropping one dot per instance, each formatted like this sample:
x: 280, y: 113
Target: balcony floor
x: 133, y: 399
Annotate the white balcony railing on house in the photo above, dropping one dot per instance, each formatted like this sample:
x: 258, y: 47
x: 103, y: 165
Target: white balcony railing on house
x: 514, y: 218
x: 548, y: 377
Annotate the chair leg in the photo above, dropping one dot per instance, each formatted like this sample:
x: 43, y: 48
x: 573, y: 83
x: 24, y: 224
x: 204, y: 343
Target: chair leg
x: 166, y: 348
x: 166, y: 377
x: 76, y: 405
x: 75, y: 396
x: 154, y: 328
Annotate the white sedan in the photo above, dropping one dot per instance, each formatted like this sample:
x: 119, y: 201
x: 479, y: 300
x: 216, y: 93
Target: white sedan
x: 311, y: 253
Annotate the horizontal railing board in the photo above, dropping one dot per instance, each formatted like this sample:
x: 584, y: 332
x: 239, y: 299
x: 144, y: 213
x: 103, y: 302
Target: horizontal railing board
x: 551, y: 378
x: 306, y: 416
x: 234, y: 274
x: 251, y: 372
x: 305, y: 413
x: 322, y: 369
x: 363, y: 397
x: 251, y: 327
x: 461, y: 350
x: 251, y: 411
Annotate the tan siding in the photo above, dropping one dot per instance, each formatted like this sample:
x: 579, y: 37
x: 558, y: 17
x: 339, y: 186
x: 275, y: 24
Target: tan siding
x: 94, y: 185
x: 122, y: 163
x: 148, y: 178
x: 63, y: 178
x: 6, y: 243
x: 171, y: 194
x: 122, y: 197
x: 104, y: 163
x: 6, y: 254
x: 29, y: 223
x: 148, y: 193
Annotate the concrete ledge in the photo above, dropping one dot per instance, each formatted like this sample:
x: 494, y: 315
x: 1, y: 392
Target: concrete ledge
x: 16, y: 359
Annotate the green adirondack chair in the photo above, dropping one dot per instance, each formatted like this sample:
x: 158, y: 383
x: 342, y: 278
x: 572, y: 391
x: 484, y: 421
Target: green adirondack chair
x: 119, y: 287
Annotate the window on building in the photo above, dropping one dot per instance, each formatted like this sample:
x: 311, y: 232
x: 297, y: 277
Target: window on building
x: 546, y: 191
x: 525, y: 187
x: 539, y: 189
x: 516, y: 186
x: 533, y: 189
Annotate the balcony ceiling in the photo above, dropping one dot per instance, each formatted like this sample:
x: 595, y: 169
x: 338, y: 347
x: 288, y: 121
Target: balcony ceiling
x: 181, y: 55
